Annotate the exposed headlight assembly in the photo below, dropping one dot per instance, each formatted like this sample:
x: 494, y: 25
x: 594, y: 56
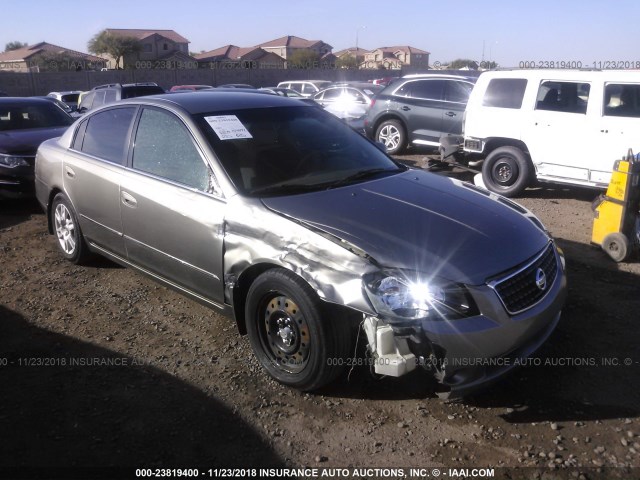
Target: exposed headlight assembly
x: 406, y: 296
x: 12, y: 161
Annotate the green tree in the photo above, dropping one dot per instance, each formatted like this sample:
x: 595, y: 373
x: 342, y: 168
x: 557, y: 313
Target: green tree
x: 303, y: 59
x: 115, y: 46
x: 347, y: 61
x: 462, y: 63
x: 14, y: 46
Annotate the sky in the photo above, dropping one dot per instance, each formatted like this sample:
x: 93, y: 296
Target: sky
x: 507, y: 32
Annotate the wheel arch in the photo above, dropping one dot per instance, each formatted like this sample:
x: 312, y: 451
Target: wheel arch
x: 389, y: 116
x: 54, y: 191
x: 241, y: 288
x: 494, y: 143
x: 251, y: 273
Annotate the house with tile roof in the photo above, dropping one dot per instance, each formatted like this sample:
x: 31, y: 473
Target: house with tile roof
x: 394, y: 58
x: 351, y: 56
x: 47, y: 57
x: 285, y: 46
x: 159, y: 47
x: 232, y: 56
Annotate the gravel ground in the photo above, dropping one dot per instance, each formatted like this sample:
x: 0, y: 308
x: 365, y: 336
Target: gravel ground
x: 100, y: 366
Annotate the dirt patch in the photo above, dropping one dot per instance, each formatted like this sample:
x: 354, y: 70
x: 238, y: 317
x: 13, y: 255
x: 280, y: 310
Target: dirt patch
x: 103, y: 367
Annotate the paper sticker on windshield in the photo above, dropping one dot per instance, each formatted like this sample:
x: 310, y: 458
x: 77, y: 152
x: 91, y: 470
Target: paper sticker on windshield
x: 228, y: 127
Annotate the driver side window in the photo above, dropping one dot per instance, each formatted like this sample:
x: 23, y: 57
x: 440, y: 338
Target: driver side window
x: 164, y: 147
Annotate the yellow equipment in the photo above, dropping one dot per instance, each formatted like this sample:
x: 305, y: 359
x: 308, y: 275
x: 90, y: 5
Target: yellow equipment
x: 616, y: 213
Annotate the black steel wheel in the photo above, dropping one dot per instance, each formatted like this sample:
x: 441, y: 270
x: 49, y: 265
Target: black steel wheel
x: 507, y: 171
x: 296, y: 337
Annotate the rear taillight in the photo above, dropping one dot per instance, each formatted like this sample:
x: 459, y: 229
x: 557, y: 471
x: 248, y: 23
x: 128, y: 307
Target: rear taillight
x: 373, y: 102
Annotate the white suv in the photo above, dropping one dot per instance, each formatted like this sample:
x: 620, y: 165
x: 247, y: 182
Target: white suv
x: 306, y: 88
x: 562, y: 126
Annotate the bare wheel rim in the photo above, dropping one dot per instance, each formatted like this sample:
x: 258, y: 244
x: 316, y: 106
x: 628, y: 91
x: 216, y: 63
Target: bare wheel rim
x: 390, y: 136
x: 284, y: 333
x: 505, y: 172
x: 65, y: 229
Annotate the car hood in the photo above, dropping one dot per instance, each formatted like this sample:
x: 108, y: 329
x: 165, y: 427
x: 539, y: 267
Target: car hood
x: 26, y: 142
x: 420, y: 221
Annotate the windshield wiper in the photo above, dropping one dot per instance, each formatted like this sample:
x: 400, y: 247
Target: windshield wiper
x: 285, y: 189
x: 361, y: 175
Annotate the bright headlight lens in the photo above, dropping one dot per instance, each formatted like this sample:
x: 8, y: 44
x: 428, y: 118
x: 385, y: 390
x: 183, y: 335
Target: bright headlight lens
x: 13, y: 161
x: 408, y: 296
x: 399, y: 297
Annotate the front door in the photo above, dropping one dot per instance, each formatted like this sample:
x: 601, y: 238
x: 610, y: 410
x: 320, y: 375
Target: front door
x: 173, y: 223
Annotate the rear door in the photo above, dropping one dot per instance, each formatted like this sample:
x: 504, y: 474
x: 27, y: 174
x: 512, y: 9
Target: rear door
x: 172, y: 221
x: 557, y: 140
x: 456, y: 96
x: 617, y: 126
x: 421, y: 103
x: 92, y: 171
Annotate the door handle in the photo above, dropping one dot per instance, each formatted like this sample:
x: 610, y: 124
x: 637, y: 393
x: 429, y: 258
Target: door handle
x: 604, y: 131
x: 128, y: 200
x: 69, y: 172
x: 450, y: 114
x: 405, y: 108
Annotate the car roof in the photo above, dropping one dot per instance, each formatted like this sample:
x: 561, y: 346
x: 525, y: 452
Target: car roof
x: 66, y: 92
x: 205, y: 101
x: 24, y: 101
x: 565, y: 74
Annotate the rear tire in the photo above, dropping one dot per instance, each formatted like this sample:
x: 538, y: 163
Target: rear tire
x: 297, y: 338
x: 616, y: 245
x: 507, y: 171
x: 66, y: 228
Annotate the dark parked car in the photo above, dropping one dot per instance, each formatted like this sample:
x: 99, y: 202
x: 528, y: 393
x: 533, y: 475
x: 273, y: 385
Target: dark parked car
x: 418, y: 110
x: 276, y: 212
x: 24, y: 124
x: 349, y: 102
x: 62, y: 105
x: 113, y: 92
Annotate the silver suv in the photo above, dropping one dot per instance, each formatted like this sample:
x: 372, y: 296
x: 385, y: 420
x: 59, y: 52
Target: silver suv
x: 277, y: 213
x: 306, y: 88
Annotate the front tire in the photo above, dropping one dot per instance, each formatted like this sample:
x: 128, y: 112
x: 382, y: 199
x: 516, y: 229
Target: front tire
x: 507, y: 171
x: 66, y: 228
x: 392, y: 134
x: 296, y: 337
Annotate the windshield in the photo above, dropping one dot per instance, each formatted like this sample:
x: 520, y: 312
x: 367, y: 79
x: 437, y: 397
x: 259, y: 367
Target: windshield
x: 285, y: 150
x: 23, y: 117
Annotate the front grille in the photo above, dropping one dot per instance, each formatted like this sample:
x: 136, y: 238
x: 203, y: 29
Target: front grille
x: 520, y: 290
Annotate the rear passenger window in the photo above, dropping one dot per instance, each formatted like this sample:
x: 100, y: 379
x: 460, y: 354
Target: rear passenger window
x: 568, y: 97
x: 505, y: 93
x: 332, y: 94
x: 622, y: 100
x: 107, y: 132
x: 423, y: 89
x: 458, y: 92
x: 164, y: 148
x: 110, y: 96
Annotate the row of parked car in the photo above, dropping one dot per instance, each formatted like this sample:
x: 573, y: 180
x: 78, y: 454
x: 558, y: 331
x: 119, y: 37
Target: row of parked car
x: 520, y: 126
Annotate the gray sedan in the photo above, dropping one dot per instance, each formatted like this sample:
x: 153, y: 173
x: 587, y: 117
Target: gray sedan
x: 275, y: 212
